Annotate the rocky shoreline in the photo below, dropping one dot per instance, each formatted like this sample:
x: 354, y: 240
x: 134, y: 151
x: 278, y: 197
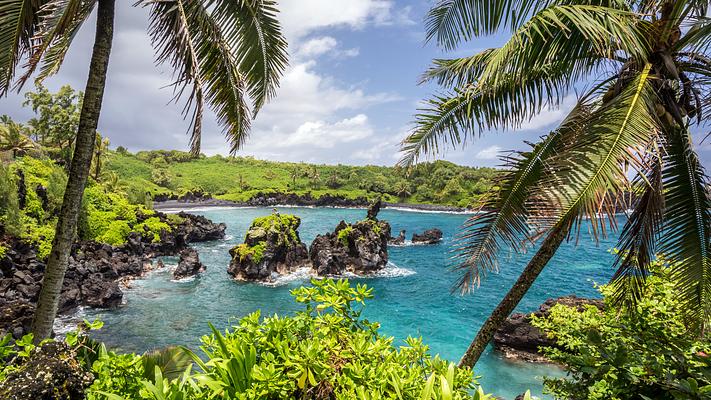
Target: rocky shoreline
x: 518, y: 340
x: 96, y: 271
x: 291, y: 199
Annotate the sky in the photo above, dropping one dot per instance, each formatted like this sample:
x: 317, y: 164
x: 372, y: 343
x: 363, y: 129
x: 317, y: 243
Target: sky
x: 349, y: 95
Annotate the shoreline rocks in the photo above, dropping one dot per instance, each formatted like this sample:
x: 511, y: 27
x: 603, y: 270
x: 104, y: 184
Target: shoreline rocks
x: 399, y: 240
x: 95, y: 272
x: 517, y: 339
x: 189, y: 264
x: 430, y: 236
x: 271, y: 247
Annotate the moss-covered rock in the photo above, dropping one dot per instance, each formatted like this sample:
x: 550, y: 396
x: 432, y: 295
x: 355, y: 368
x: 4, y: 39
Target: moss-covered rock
x: 271, y: 247
x: 360, y: 248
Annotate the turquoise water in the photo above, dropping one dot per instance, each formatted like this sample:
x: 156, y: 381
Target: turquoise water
x: 412, y: 298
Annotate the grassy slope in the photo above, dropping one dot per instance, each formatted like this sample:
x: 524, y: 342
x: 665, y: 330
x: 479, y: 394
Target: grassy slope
x: 239, y: 178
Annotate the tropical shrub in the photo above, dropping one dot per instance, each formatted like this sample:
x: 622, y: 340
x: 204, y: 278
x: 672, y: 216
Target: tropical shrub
x: 646, y: 353
x: 325, y: 351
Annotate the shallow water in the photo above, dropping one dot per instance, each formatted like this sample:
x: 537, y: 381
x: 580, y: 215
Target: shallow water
x: 412, y: 297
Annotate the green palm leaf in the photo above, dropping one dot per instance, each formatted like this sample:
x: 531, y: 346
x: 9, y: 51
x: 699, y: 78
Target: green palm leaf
x: 686, y: 231
x: 19, y: 21
x: 592, y: 170
x: 638, y: 239
x: 60, y: 22
x: 252, y: 30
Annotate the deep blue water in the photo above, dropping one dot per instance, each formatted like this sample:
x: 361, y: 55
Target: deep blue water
x: 414, y: 301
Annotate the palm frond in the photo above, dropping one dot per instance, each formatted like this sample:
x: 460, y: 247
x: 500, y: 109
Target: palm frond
x: 59, y: 23
x: 19, y: 20
x: 451, y: 120
x: 188, y: 37
x: 503, y: 220
x: 638, y: 239
x: 697, y: 39
x: 252, y: 29
x: 451, y: 22
x: 686, y: 231
x: 591, y: 172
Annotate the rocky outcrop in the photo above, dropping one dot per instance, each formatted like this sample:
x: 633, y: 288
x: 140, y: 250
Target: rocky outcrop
x: 95, y: 270
x: 430, y: 236
x: 399, y: 240
x: 518, y: 339
x: 272, y: 247
x: 189, y: 264
x: 360, y: 248
x: 51, y: 372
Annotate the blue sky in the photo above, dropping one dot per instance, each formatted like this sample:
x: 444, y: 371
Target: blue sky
x: 349, y: 95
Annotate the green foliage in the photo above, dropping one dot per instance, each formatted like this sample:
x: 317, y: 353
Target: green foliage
x: 256, y: 252
x: 645, y: 353
x: 344, y: 234
x: 240, y: 178
x: 153, y: 226
x: 9, y: 208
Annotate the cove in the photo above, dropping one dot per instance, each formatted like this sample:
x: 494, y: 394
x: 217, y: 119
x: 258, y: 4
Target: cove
x: 412, y: 297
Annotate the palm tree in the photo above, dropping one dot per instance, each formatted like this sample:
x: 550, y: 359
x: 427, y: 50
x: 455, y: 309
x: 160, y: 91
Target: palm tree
x: 222, y: 52
x: 14, y: 137
x: 101, y: 148
x: 655, y: 86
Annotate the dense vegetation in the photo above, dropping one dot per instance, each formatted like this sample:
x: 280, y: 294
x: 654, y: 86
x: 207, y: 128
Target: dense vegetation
x: 325, y: 351
x: 645, y: 354
x: 240, y: 178
x: 31, y: 191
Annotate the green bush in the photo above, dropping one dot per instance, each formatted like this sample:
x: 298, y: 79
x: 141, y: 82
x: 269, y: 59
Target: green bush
x: 326, y: 351
x: 646, y: 353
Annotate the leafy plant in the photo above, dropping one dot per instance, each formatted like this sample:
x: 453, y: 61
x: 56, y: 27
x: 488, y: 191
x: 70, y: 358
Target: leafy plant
x: 646, y: 353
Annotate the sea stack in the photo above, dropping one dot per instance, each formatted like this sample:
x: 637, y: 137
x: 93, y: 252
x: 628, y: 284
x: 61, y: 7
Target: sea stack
x: 272, y: 247
x: 360, y: 248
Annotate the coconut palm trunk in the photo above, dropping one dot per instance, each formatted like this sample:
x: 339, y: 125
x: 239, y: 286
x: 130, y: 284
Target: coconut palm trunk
x: 79, y: 171
x: 515, y: 294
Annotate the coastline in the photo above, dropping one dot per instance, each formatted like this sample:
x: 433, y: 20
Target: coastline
x: 187, y: 205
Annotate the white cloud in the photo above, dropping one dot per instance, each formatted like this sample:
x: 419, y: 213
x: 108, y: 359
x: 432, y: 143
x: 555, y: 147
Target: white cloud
x: 488, y: 153
x: 300, y: 17
x: 316, y: 47
x: 324, y: 135
x: 319, y: 46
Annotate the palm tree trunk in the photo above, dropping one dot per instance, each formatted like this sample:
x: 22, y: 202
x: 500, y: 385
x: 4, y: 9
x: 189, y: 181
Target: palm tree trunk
x: 79, y: 171
x: 513, y: 297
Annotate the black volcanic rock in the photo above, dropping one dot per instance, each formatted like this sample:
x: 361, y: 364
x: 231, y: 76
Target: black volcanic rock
x: 271, y: 247
x: 51, y: 372
x: 430, y: 236
x: 399, y: 240
x: 95, y: 270
x: 518, y: 339
x: 360, y: 248
x: 189, y: 264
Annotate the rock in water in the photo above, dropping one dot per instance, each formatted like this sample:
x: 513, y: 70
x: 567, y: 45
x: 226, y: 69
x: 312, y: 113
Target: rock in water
x: 189, y: 264
x: 271, y: 247
x: 361, y: 248
x: 51, y: 372
x: 518, y: 339
x: 373, y: 210
x: 430, y: 236
x: 399, y: 240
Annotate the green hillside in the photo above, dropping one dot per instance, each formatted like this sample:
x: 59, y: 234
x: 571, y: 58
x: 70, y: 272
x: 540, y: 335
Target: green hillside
x: 240, y: 178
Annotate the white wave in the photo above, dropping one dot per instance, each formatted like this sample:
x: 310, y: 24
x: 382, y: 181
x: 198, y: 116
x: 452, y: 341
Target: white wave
x: 418, y: 210
x: 186, y: 279
x: 301, y: 274
x: 408, y: 243
x: 64, y: 324
x: 390, y: 271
